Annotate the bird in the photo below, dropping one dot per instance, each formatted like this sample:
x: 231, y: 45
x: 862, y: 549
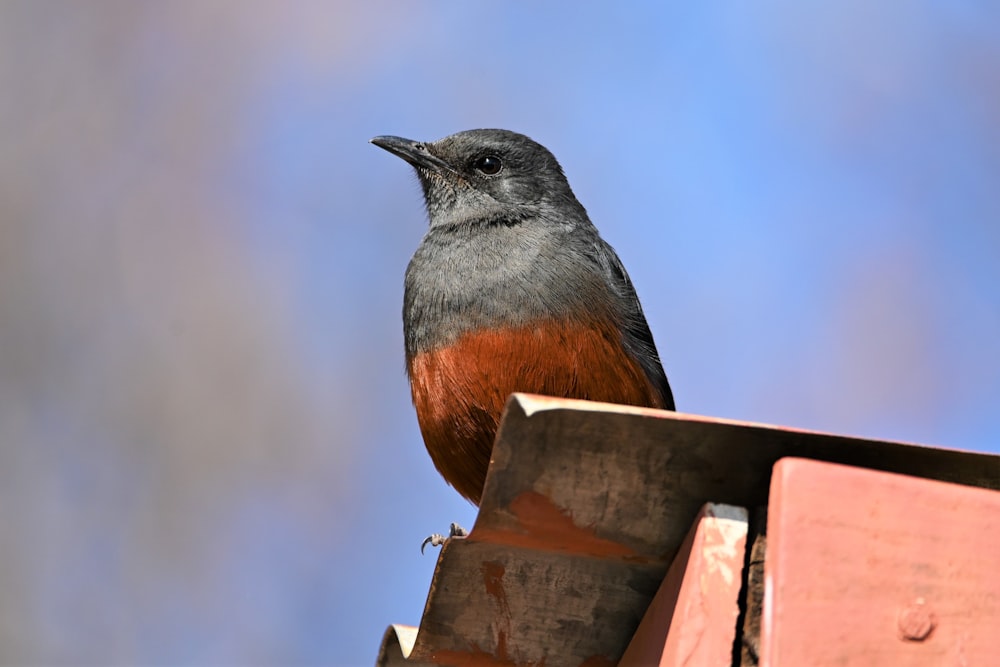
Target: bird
x: 511, y: 289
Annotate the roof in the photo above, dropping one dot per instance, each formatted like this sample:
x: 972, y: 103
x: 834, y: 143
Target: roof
x: 584, y: 507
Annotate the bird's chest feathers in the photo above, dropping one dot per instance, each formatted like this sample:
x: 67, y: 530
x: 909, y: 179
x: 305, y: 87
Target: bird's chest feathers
x: 468, y: 264
x: 495, y: 278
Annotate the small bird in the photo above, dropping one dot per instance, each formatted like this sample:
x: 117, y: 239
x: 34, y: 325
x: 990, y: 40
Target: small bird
x: 512, y: 289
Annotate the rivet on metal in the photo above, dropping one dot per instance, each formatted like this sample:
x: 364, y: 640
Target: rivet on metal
x: 916, y: 621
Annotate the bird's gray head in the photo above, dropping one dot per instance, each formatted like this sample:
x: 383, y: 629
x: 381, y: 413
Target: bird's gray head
x: 487, y: 177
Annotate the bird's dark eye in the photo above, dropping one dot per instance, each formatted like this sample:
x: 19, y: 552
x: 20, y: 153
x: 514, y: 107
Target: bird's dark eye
x: 488, y: 164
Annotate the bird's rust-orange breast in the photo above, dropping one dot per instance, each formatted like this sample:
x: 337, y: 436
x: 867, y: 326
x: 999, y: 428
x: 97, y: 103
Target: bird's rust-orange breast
x: 459, y: 391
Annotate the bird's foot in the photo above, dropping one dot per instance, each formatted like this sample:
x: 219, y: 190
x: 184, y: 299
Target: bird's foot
x: 437, y: 540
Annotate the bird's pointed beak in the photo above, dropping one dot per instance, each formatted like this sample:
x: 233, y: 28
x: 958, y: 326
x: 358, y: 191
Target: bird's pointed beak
x: 414, y: 152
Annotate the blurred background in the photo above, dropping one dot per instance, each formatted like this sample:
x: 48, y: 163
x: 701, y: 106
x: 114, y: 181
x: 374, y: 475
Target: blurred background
x: 207, y: 450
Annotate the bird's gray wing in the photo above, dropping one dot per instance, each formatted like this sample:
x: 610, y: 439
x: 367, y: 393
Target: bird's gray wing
x: 638, y: 338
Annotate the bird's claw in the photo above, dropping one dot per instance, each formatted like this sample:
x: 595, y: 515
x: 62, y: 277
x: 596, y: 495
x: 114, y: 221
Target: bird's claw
x: 437, y: 539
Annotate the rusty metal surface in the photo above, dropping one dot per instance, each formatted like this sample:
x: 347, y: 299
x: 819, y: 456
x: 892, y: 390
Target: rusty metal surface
x: 397, y: 644
x: 691, y: 621
x: 909, y: 570
x: 584, y: 507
